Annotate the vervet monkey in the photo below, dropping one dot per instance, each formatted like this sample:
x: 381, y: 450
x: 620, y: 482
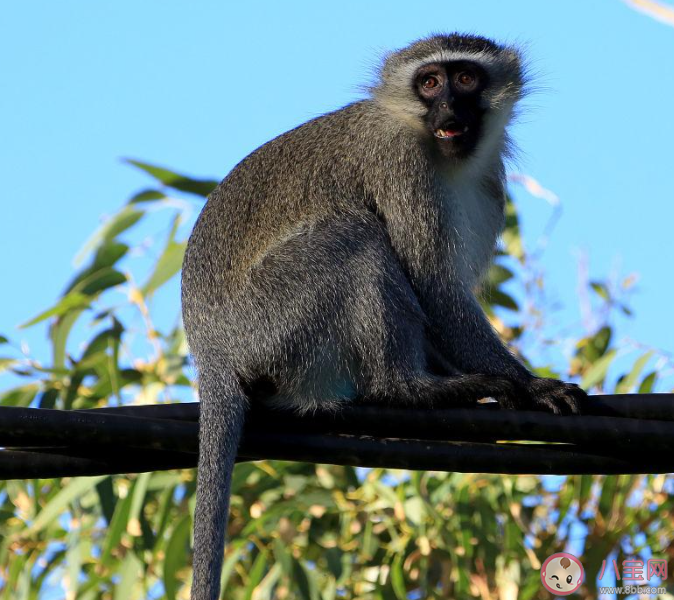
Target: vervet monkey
x: 338, y: 262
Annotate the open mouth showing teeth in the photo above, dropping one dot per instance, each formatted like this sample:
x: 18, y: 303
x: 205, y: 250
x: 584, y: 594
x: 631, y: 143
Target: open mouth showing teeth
x: 450, y: 133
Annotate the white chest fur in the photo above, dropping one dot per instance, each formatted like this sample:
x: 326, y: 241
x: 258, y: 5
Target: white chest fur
x: 473, y: 220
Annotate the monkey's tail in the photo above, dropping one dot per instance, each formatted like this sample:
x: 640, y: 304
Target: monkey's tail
x: 223, y: 406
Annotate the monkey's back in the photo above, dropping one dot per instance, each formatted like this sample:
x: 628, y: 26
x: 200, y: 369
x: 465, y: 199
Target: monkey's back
x: 301, y: 177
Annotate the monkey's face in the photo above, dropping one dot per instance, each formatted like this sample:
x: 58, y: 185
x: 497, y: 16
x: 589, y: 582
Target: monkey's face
x: 452, y: 94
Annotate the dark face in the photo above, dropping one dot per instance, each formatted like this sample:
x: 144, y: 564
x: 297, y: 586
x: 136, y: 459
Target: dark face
x: 451, y: 92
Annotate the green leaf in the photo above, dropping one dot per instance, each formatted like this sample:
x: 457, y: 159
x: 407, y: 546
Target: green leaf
x: 100, y: 280
x: 501, y: 299
x: 81, y: 296
x: 11, y: 581
x: 177, y: 551
x: 334, y: 558
x: 106, y: 256
x: 304, y: 582
x: 601, y: 290
x: 107, y: 498
x: 597, y: 372
x: 585, y: 490
x: 235, y: 551
x: 498, y: 274
x: 74, y: 559
x: 117, y: 527
x: 3, y: 340
x: 59, y: 332
x: 73, y: 301
x: 123, y: 220
x: 599, y: 343
x: 7, y: 363
x: 138, y: 496
x: 265, y: 588
x: 647, y: 384
x: 169, y: 262
x: 415, y: 510
x: 48, y: 398
x: 19, y: 396
x: 101, y: 343
x: 60, y: 503
x: 147, y: 196
x: 629, y: 382
x: 511, y: 237
x: 109, y: 253
x: 398, y: 578
x: 129, y: 576
x: 255, y: 575
x: 607, y: 497
x: 200, y: 187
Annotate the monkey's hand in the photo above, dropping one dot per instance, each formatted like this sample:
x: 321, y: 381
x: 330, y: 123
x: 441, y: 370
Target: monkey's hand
x: 549, y: 395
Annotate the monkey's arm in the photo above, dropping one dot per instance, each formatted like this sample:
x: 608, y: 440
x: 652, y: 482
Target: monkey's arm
x: 464, y: 335
x: 462, y: 332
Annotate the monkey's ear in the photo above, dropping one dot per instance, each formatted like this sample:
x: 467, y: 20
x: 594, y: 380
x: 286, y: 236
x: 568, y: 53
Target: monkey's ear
x: 514, y: 57
x: 516, y: 65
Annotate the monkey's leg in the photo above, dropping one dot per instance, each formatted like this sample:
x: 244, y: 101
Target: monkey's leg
x: 329, y: 315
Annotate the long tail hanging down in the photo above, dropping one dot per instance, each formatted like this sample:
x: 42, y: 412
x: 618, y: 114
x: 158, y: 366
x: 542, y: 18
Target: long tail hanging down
x: 222, y: 405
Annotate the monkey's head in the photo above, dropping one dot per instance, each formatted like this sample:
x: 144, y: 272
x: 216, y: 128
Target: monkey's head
x: 457, y: 91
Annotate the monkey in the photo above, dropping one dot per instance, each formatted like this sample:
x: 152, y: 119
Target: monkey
x: 339, y: 262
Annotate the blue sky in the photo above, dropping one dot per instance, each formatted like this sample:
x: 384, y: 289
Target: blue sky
x: 196, y: 86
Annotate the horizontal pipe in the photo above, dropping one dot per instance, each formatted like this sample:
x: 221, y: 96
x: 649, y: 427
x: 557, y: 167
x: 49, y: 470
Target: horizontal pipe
x: 619, y: 434
x: 21, y: 427
x: 636, y: 406
x: 342, y: 450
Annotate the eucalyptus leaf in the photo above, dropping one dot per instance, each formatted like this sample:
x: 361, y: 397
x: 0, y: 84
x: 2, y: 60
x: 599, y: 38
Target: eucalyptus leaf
x: 169, y: 262
x: 71, y: 302
x: 129, y: 578
x: 177, y: 551
x: 19, y: 396
x: 648, y: 382
x: 147, y: 196
x: 255, y: 575
x: 73, y: 489
x: 127, y: 217
x: 630, y: 381
x: 597, y: 372
x: 200, y: 187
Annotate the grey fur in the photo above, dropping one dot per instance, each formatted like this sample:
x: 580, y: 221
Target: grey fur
x: 338, y: 261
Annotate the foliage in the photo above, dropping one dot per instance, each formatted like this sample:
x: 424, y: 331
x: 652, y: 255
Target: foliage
x: 304, y: 531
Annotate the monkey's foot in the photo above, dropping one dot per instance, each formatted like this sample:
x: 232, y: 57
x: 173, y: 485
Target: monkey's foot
x: 550, y: 395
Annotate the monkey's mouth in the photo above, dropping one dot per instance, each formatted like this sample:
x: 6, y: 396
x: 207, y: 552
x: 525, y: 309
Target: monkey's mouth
x: 451, y: 131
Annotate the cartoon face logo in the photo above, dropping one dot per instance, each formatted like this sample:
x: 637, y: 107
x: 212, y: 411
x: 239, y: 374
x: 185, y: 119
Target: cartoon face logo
x: 562, y: 574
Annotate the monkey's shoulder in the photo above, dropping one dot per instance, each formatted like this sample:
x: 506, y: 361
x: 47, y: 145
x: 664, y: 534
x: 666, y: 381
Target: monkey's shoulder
x: 349, y: 135
x: 317, y: 137
x: 316, y: 165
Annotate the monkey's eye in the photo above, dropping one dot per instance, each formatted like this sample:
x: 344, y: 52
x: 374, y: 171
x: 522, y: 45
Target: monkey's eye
x: 430, y: 82
x: 465, y: 81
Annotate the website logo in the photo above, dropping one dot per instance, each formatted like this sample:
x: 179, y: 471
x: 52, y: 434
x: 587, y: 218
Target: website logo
x: 562, y: 574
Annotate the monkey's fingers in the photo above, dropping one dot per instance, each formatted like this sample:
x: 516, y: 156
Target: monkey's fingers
x: 556, y: 396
